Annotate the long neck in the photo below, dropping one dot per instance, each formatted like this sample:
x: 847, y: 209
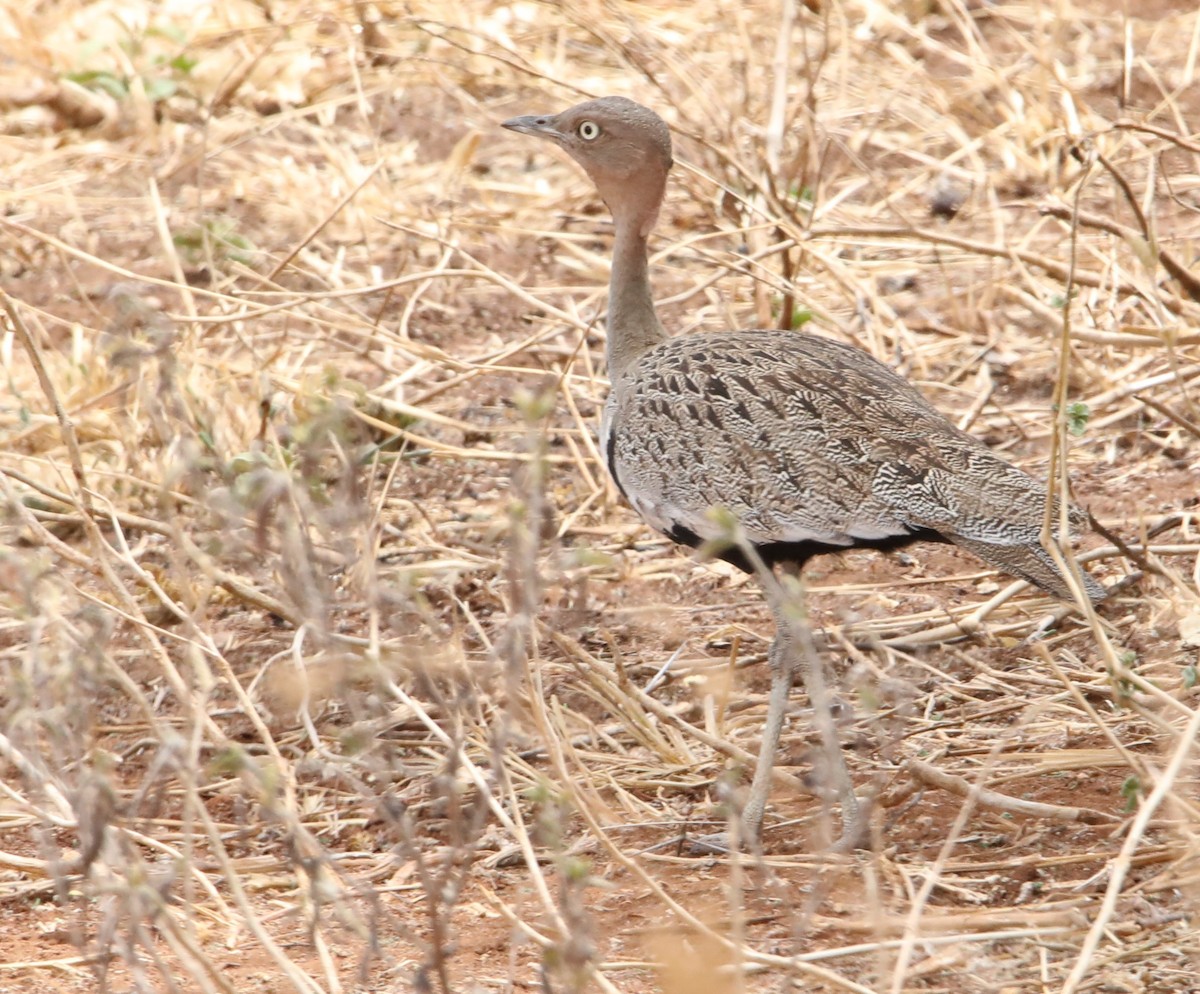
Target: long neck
x: 633, y: 326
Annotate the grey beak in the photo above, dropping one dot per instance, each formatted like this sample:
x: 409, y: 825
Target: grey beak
x: 540, y: 126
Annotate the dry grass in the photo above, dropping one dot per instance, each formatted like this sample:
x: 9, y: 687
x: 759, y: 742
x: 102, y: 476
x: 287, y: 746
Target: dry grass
x: 327, y: 647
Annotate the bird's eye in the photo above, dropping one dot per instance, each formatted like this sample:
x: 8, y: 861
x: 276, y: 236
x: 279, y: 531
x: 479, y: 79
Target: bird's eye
x: 589, y: 131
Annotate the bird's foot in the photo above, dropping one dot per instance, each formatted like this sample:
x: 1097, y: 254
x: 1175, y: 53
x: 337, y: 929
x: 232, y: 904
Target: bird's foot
x: 855, y: 835
x: 715, y: 844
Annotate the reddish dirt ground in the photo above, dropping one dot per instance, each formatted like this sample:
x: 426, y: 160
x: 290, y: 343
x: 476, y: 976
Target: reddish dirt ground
x: 336, y: 853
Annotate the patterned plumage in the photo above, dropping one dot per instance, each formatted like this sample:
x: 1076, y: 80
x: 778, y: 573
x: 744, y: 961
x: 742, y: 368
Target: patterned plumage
x: 813, y: 445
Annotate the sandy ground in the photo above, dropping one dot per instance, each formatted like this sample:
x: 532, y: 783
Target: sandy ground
x: 325, y: 661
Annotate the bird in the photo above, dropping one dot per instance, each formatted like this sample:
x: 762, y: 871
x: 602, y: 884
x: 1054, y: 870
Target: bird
x: 810, y: 444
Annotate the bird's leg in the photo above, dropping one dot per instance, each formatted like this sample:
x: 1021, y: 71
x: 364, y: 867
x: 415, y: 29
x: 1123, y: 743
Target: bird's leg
x: 779, y: 658
x: 793, y: 645
x: 780, y: 661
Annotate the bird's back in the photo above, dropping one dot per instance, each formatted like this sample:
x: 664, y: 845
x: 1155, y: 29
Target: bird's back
x: 812, y: 444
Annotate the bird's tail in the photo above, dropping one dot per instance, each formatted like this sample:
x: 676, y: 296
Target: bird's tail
x: 1033, y: 563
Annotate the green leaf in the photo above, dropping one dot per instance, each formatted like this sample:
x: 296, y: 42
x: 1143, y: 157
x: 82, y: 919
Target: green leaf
x: 228, y: 762
x: 160, y: 89
x: 183, y: 63
x: 1078, y: 415
x: 103, y: 81
x: 576, y: 869
x: 1131, y: 790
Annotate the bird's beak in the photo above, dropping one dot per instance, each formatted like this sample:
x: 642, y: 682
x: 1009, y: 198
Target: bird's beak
x: 532, y: 124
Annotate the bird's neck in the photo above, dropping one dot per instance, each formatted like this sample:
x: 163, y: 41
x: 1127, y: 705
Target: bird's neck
x: 633, y: 325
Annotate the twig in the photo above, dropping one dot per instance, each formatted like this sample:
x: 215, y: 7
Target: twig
x: 986, y: 798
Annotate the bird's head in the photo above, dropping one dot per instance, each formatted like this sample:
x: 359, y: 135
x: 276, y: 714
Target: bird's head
x: 624, y: 147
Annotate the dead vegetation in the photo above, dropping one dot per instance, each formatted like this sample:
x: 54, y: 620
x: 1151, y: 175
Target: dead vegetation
x: 330, y: 659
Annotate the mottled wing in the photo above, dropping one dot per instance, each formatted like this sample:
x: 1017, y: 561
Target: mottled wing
x: 806, y: 439
x: 740, y: 422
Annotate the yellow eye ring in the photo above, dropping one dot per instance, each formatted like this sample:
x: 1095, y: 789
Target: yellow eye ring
x: 588, y: 131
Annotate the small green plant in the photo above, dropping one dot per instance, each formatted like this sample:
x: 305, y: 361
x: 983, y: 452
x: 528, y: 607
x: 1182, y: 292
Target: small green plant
x: 1078, y: 415
x: 103, y: 81
x: 1122, y: 684
x: 162, y: 74
x: 799, y: 317
x: 1131, y: 790
x: 228, y: 762
x: 217, y: 237
x: 576, y: 869
x: 801, y: 194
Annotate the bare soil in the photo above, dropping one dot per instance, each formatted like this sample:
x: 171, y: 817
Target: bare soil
x: 328, y: 651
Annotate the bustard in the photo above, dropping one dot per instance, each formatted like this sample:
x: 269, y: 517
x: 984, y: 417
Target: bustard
x: 811, y: 445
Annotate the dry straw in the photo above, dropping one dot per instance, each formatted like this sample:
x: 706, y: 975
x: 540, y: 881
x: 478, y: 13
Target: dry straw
x: 331, y: 658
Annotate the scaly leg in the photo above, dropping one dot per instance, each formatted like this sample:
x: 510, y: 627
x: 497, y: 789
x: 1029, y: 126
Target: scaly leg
x: 780, y: 661
x: 793, y: 643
